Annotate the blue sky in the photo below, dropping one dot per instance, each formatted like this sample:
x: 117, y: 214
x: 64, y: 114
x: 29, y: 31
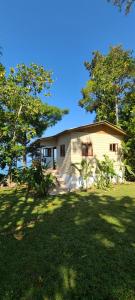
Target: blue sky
x: 61, y: 35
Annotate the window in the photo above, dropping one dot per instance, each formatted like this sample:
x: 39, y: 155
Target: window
x: 87, y: 149
x: 62, y: 150
x: 114, y: 147
x: 47, y: 152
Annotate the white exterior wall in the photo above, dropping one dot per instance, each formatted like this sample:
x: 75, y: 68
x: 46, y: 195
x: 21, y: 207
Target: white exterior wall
x: 64, y: 163
x: 101, y: 145
x: 100, y: 139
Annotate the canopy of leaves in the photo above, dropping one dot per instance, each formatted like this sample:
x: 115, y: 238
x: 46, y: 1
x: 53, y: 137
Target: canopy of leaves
x: 123, y: 3
x: 111, y: 80
x: 110, y: 93
x: 23, y: 115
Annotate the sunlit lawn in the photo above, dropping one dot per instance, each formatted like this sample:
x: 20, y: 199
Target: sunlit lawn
x: 73, y: 246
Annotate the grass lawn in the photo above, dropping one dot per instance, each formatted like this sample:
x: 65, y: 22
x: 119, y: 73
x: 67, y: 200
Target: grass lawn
x: 76, y: 246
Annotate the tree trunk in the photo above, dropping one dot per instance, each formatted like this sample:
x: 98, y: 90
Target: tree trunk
x: 117, y: 112
x: 9, y: 180
x: 24, y: 158
x: 24, y: 154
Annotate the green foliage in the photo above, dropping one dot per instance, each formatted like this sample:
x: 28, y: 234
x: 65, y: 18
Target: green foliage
x: 3, y: 179
x: 123, y: 3
x: 47, y: 184
x: 111, y: 80
x: 128, y: 170
x: 36, y: 178
x: 110, y: 93
x: 104, y: 173
x: 128, y: 124
x: 34, y: 77
x: 23, y: 115
x: 85, y: 170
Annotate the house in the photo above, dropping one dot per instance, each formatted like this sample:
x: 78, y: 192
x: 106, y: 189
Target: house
x: 71, y: 146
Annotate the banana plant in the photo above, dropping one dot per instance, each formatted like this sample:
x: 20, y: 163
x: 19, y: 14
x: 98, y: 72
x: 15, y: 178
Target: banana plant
x: 85, y: 170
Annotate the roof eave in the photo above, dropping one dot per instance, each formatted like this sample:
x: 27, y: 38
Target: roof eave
x: 122, y: 132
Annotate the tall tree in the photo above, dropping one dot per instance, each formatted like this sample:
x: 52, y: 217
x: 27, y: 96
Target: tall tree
x: 123, y: 3
x: 25, y: 115
x: 35, y: 80
x: 127, y: 117
x: 111, y: 80
x: 110, y: 93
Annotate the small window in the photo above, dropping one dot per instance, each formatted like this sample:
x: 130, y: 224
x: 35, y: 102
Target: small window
x: 62, y: 150
x: 47, y: 152
x: 114, y: 147
x: 87, y: 149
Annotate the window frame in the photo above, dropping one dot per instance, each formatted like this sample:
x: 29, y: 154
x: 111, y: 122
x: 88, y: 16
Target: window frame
x: 113, y: 147
x: 47, y: 152
x: 88, y: 151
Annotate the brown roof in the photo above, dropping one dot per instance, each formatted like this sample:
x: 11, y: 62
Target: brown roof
x: 87, y: 126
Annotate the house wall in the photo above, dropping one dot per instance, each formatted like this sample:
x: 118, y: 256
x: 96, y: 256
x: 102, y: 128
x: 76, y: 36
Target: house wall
x: 64, y: 163
x: 101, y: 141
x: 100, y: 137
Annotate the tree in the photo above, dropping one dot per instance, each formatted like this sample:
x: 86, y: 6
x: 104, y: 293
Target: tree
x: 24, y: 114
x: 110, y: 93
x: 126, y: 3
x: 128, y: 124
x: 111, y: 80
x: 8, y: 147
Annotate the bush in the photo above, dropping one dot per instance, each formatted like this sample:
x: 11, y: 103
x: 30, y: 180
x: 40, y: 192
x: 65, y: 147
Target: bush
x: 104, y: 172
x: 46, y: 185
x: 36, y: 178
x: 3, y: 179
x: 85, y: 170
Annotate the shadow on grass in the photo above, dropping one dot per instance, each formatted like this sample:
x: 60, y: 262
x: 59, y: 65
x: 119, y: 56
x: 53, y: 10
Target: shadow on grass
x: 74, y: 246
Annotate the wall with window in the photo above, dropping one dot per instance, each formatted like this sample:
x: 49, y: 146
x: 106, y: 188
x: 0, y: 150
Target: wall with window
x: 96, y: 144
x: 64, y: 154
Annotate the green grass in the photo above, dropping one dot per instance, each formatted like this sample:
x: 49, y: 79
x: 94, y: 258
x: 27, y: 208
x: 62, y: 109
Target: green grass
x: 76, y: 246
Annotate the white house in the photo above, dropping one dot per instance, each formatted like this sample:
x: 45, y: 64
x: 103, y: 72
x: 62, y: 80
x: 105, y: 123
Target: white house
x: 71, y: 146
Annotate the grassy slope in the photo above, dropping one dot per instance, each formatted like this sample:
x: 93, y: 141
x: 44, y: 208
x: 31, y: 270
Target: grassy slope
x: 75, y: 246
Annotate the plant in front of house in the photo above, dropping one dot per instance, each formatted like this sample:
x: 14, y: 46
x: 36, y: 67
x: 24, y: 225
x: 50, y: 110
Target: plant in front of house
x: 104, y: 173
x: 36, y: 178
x: 47, y: 183
x: 85, y: 170
x: 128, y: 170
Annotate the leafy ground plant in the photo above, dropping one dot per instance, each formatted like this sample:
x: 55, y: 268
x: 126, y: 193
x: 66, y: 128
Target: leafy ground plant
x: 85, y: 170
x: 36, y: 178
x: 104, y: 172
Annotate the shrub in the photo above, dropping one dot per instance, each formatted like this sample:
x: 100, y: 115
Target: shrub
x: 36, y: 178
x: 104, y: 172
x: 85, y: 170
x: 3, y: 179
x: 46, y: 185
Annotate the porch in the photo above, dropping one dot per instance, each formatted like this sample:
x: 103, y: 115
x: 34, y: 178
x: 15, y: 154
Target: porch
x: 48, y: 156
x: 46, y: 153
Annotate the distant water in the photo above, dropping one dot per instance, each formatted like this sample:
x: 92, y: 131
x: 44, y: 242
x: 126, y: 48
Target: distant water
x: 19, y: 165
